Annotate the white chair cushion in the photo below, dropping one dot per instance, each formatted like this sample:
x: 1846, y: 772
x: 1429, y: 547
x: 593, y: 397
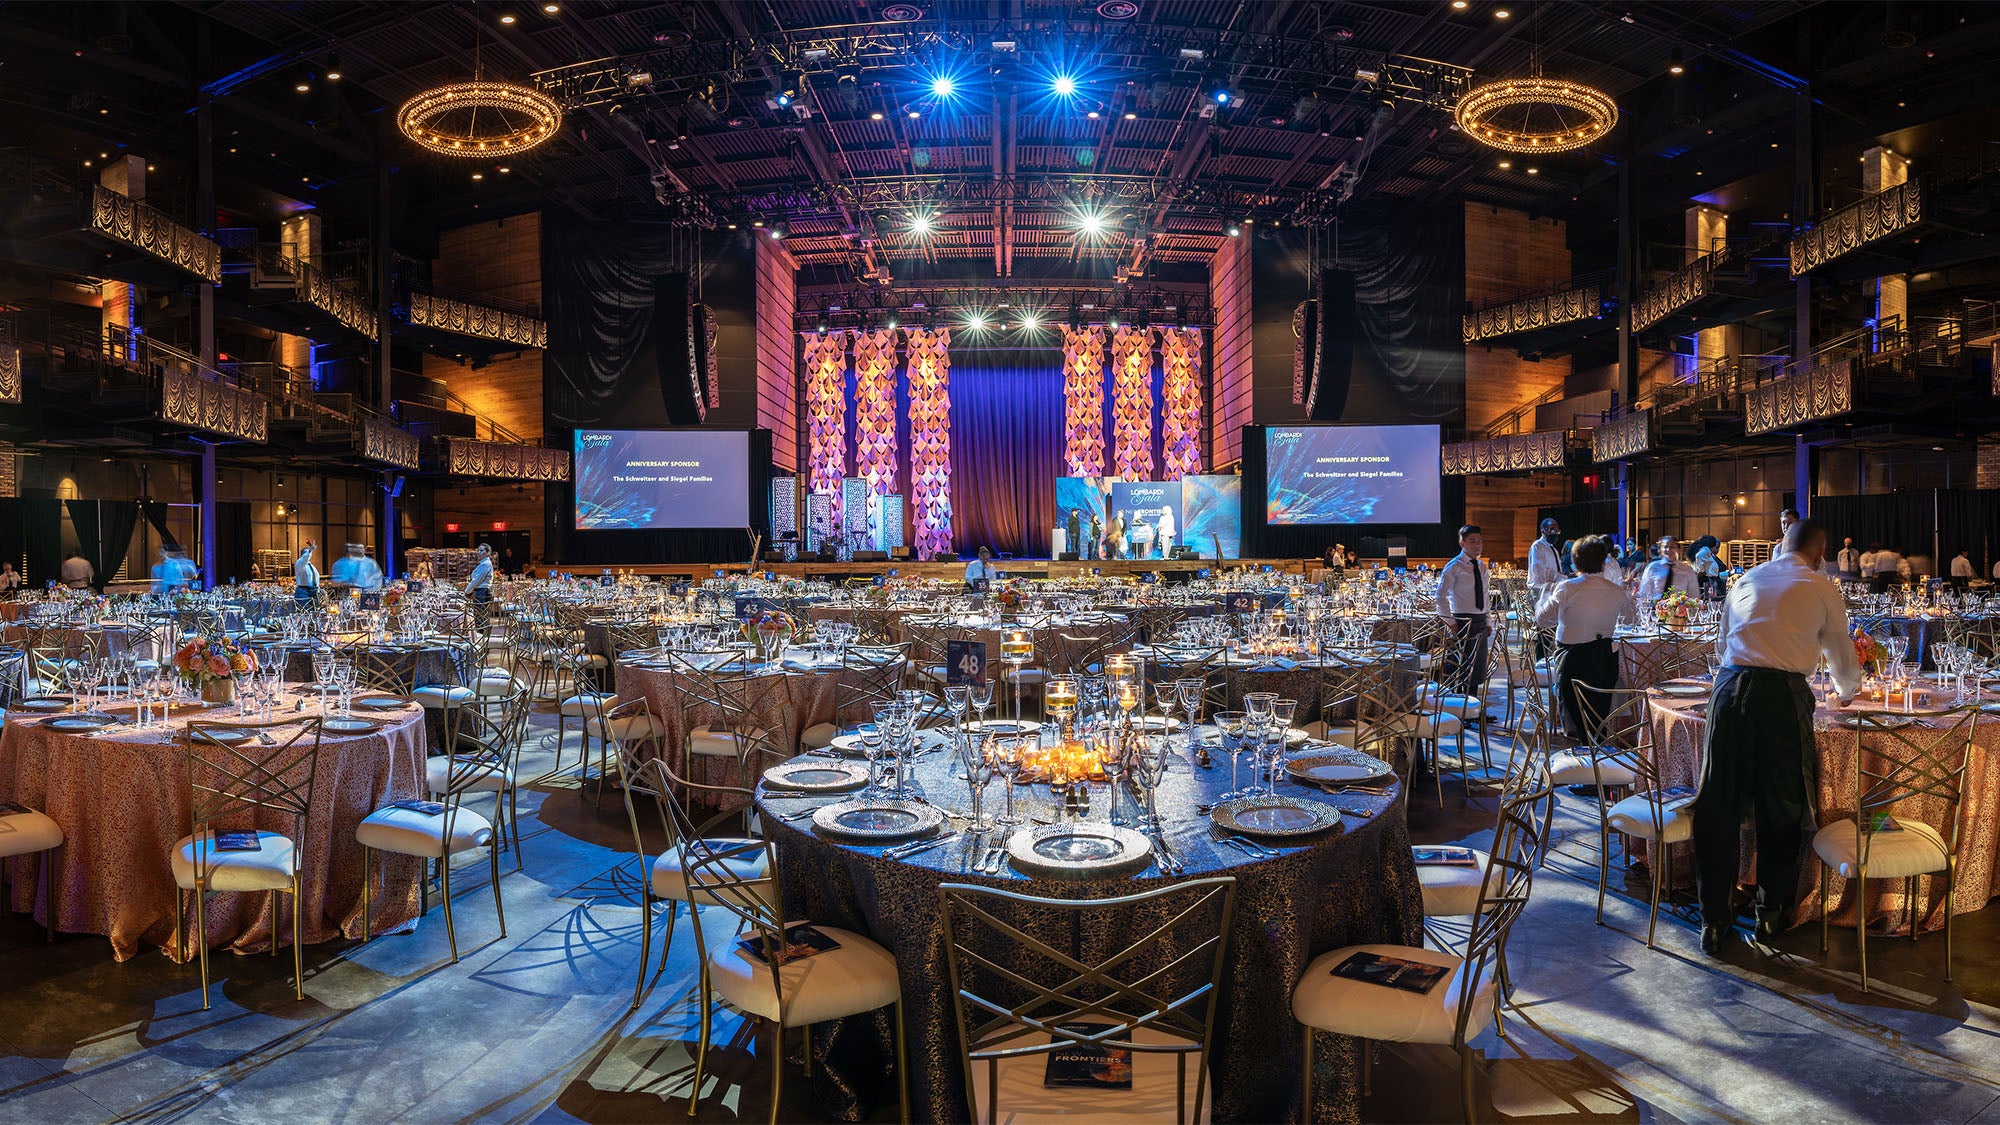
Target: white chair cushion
x: 441, y: 696
x: 1452, y: 890
x: 585, y: 705
x: 1339, y: 734
x: 25, y: 832
x: 1633, y: 816
x: 483, y: 777
x: 1575, y: 769
x: 719, y: 743
x: 818, y: 736
x: 1154, y: 1095
x: 496, y: 682
x: 630, y: 728
x: 269, y: 868
x: 595, y: 660
x: 1433, y: 697
x: 1389, y: 1015
x: 742, y: 857
x: 860, y: 976
x: 412, y: 833
x: 1916, y: 849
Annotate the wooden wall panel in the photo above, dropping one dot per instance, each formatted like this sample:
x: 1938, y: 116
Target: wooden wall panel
x: 476, y: 507
x: 1505, y: 251
x: 1231, y: 382
x: 502, y: 259
x: 777, y: 352
x: 1507, y: 510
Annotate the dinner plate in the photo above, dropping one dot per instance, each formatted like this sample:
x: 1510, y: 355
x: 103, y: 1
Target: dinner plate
x: 1003, y: 726
x: 1293, y: 736
x: 816, y: 775
x: 1684, y: 690
x: 43, y: 703
x: 1335, y: 767
x: 848, y: 744
x: 228, y: 736
x: 381, y: 703
x: 877, y: 820
x: 1275, y: 816
x: 1156, y: 724
x: 1077, y: 849
x: 77, y: 724
x: 1884, y: 720
x: 349, y: 725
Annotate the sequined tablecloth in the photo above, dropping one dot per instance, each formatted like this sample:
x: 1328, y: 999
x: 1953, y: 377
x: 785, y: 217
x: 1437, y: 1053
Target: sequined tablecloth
x: 1354, y: 885
x: 122, y: 801
x: 1645, y: 660
x: 419, y: 666
x: 1680, y: 726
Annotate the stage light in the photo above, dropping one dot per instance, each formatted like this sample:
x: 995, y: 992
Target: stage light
x: 975, y: 322
x: 1501, y: 13
x: 304, y: 83
x: 776, y: 231
x: 552, y: 9
x: 920, y: 224
x: 892, y: 324
x: 1029, y: 323
x: 1090, y: 222
x: 1130, y: 116
x: 1675, y: 66
x: 943, y: 86
x: 875, y: 116
x: 1235, y: 231
x: 333, y: 68
x: 1064, y: 85
x: 1112, y: 323
x: 916, y: 113
x: 1221, y: 96
x: 1459, y: 5
x: 507, y: 20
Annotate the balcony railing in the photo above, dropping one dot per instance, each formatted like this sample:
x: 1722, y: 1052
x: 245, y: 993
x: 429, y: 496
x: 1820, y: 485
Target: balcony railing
x: 136, y: 224
x: 1579, y: 298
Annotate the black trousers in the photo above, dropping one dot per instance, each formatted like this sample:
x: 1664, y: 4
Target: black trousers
x: 1464, y: 669
x: 1761, y: 764
x: 1591, y: 662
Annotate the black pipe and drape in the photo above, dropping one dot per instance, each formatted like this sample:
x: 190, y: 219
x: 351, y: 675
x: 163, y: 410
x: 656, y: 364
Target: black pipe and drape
x: 103, y: 533
x: 1963, y: 519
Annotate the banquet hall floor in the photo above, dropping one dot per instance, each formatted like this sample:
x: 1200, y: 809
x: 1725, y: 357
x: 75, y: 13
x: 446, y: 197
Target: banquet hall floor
x: 534, y: 1027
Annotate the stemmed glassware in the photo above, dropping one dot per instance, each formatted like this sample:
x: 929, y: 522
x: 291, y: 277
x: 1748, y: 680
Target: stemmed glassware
x: 1283, y: 711
x: 870, y: 735
x: 982, y: 698
x: 1187, y: 693
x: 322, y: 666
x: 1257, y: 710
x: 1110, y: 751
x: 89, y: 673
x: 1148, y: 765
x: 978, y: 768
x: 1233, y: 727
x: 1007, y: 758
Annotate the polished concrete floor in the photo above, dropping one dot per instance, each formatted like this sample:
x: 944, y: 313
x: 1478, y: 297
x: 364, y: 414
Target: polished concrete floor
x: 535, y: 1026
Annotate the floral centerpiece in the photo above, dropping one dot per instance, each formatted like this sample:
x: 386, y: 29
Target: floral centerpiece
x: 1673, y: 609
x: 1870, y: 652
x: 212, y: 665
x: 1011, y: 593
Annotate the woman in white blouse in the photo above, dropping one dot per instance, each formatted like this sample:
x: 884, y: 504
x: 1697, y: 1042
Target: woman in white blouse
x: 1584, y: 612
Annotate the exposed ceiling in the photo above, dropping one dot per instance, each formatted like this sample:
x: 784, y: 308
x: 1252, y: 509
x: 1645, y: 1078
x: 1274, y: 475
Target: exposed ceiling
x: 1005, y: 171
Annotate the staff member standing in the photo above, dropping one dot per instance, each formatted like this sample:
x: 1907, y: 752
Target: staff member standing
x: 1668, y: 572
x: 305, y: 576
x: 479, y: 586
x: 1760, y: 760
x: 1463, y: 591
x: 1584, y: 612
x: 1545, y: 563
x: 1961, y: 572
x: 1849, y: 560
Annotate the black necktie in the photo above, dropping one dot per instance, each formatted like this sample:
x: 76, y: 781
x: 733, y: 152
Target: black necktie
x: 1478, y: 588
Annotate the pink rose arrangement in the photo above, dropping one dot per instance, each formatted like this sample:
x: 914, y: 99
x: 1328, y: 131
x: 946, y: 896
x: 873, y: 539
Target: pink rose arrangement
x: 202, y: 660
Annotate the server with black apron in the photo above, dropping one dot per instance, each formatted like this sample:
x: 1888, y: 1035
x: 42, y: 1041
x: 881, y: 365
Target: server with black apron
x: 1584, y: 613
x: 1760, y: 760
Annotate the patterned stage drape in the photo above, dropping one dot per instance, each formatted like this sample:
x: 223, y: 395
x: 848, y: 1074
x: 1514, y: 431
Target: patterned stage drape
x: 1180, y: 424
x: 875, y: 410
x: 1132, y: 403
x: 928, y: 366
x: 825, y: 366
x: 1083, y: 401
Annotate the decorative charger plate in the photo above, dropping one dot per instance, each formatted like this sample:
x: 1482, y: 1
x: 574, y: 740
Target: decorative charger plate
x: 1077, y: 849
x: 1156, y: 723
x: 1003, y: 726
x: 381, y: 703
x: 1884, y: 720
x: 43, y: 703
x: 228, y: 736
x: 1335, y: 767
x: 1684, y: 689
x: 816, y: 775
x: 76, y: 724
x: 1275, y: 816
x: 877, y: 820
x: 349, y: 726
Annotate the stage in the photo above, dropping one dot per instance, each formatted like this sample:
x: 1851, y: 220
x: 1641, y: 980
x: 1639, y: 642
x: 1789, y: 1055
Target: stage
x: 1169, y: 569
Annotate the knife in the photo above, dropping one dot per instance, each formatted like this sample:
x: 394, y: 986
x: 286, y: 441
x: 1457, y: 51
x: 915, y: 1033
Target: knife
x: 905, y: 851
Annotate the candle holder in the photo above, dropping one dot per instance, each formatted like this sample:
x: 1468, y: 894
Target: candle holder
x: 1017, y: 648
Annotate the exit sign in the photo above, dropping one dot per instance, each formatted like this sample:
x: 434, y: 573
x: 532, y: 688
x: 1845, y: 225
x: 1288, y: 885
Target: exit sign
x: 451, y: 527
x: 499, y: 525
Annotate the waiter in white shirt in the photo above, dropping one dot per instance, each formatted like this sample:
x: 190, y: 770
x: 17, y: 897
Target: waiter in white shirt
x: 1668, y: 572
x: 1463, y: 597
x: 479, y: 585
x: 1848, y: 562
x: 1760, y: 760
x: 1545, y: 562
x: 305, y: 576
x: 1961, y: 572
x: 1888, y: 568
x: 1584, y: 612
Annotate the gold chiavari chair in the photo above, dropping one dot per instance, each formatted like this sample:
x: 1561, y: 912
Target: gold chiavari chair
x: 1897, y: 768
x: 856, y: 976
x: 385, y: 670
x: 436, y: 834
x: 1017, y: 998
x: 491, y: 731
x: 1622, y: 719
x: 866, y: 677
x: 234, y: 773
x: 740, y: 725
x: 1458, y: 1008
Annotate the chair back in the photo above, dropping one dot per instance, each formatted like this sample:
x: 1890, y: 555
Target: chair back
x: 377, y: 669
x: 1015, y: 994
x: 1621, y: 721
x: 729, y: 693
x: 1520, y: 840
x: 1912, y: 767
x: 865, y: 679
x: 273, y: 768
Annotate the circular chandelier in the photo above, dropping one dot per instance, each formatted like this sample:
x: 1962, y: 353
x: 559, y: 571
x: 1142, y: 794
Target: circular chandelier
x: 446, y: 119
x: 1536, y: 114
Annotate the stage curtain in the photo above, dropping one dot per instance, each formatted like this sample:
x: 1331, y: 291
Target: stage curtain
x: 1132, y: 403
x: 103, y: 532
x: 1180, y: 420
x: 929, y: 377
x: 1409, y: 291
x: 1083, y: 400
x: 1962, y: 519
x: 1006, y: 448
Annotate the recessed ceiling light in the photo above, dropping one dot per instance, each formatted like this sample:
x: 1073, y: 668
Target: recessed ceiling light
x: 1534, y: 171
x: 507, y: 19
x: 552, y: 9
x: 1501, y: 13
x: 503, y: 169
x: 1459, y: 5
x: 150, y: 168
x: 104, y: 156
x: 875, y: 116
x: 1506, y: 164
x: 914, y: 114
x: 1130, y: 116
x: 479, y: 175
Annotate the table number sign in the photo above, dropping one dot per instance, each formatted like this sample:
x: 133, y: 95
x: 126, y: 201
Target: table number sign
x: 964, y: 661
x: 749, y: 607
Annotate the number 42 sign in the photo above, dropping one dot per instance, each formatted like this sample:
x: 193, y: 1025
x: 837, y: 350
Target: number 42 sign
x: 964, y: 661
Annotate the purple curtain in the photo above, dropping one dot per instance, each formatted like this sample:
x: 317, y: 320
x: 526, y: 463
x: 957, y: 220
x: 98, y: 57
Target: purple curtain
x: 1006, y: 448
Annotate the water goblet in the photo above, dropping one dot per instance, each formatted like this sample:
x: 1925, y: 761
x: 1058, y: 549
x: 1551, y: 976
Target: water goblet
x: 981, y: 698
x: 1187, y: 693
x: 978, y: 768
x: 1232, y: 727
x: 1283, y: 711
x: 1110, y: 752
x: 1007, y: 759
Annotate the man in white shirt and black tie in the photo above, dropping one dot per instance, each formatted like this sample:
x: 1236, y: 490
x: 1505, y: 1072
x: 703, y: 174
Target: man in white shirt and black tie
x: 1668, y: 572
x: 1761, y: 760
x: 1545, y: 563
x: 1849, y: 560
x: 1463, y: 597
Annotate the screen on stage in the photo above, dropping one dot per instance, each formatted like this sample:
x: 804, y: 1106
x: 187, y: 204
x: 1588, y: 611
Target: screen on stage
x: 632, y: 479
x: 1352, y: 474
x: 1152, y: 514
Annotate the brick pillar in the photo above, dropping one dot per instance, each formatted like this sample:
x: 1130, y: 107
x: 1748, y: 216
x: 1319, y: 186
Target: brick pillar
x: 1987, y: 474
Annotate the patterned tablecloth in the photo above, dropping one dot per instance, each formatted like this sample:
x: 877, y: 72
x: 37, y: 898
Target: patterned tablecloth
x: 1680, y: 726
x: 1356, y: 884
x: 122, y: 801
x: 1648, y: 659
x: 1289, y: 677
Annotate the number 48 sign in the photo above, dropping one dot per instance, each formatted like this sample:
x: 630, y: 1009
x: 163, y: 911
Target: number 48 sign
x: 964, y: 661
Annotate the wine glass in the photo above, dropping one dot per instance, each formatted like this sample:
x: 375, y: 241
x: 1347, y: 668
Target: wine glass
x: 1110, y: 751
x: 1283, y: 711
x: 1233, y: 726
x: 1007, y: 759
x: 870, y: 735
x: 1187, y: 693
x: 978, y: 767
x: 981, y: 697
x: 89, y: 673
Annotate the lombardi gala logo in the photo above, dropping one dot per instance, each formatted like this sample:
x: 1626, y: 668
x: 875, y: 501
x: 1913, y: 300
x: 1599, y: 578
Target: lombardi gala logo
x: 592, y: 441
x: 1286, y: 437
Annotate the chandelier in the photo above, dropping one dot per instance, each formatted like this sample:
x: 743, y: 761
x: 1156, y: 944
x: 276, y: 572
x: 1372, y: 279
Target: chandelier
x: 1536, y: 114
x: 446, y: 119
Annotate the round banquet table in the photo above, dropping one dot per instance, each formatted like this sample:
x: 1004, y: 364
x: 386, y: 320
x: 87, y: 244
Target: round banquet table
x: 1352, y: 885
x: 418, y: 664
x: 110, y: 638
x: 1046, y: 629
x: 1290, y: 677
x: 1919, y: 631
x: 1647, y: 659
x: 121, y: 798
x: 1680, y: 726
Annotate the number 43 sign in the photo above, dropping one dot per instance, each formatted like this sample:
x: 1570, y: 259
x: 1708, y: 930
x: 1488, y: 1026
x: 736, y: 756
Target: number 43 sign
x: 964, y: 661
